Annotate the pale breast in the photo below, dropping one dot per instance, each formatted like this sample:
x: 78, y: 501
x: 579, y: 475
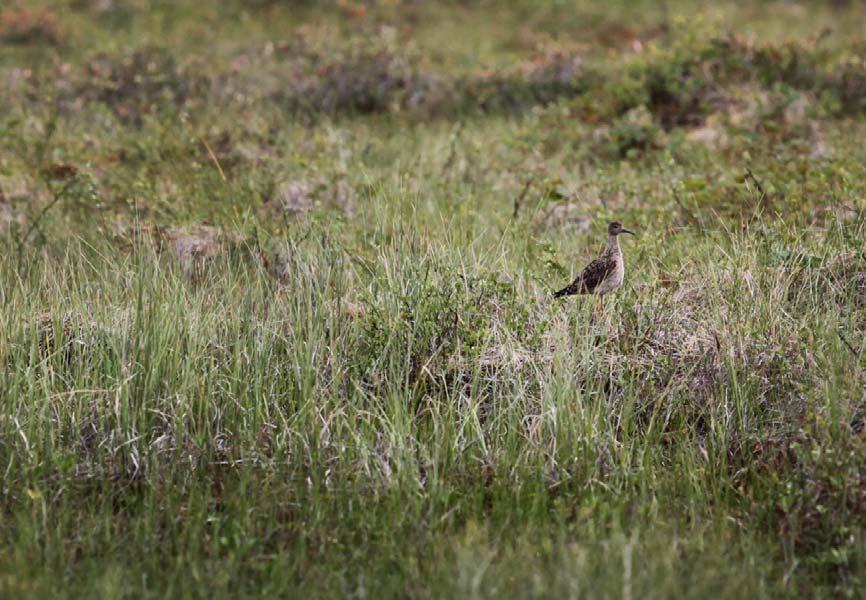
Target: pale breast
x: 613, y: 280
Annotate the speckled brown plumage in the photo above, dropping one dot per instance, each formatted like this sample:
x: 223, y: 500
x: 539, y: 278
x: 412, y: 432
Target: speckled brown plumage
x: 605, y: 273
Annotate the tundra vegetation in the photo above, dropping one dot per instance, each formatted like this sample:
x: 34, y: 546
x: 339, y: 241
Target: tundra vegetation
x: 275, y: 312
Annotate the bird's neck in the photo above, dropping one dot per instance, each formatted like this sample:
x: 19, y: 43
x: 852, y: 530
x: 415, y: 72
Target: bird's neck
x: 612, y: 245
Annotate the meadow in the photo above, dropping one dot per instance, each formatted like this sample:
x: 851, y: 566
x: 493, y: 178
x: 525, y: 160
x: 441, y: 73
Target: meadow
x: 276, y: 314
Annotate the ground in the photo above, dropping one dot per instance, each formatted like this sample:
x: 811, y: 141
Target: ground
x: 276, y: 308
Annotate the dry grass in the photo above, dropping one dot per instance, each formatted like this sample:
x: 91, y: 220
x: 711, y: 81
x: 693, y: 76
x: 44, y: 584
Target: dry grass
x: 275, y: 312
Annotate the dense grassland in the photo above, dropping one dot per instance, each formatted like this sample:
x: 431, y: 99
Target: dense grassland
x: 275, y: 312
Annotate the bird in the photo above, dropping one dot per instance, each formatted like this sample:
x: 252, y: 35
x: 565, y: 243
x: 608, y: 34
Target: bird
x: 603, y: 275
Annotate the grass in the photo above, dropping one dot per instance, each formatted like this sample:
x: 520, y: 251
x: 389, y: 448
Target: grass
x: 276, y: 313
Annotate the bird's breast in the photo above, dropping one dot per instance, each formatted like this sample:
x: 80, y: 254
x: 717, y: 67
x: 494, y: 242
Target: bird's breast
x: 613, y: 280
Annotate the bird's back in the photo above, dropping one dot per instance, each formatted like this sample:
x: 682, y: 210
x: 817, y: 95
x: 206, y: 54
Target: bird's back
x: 601, y: 276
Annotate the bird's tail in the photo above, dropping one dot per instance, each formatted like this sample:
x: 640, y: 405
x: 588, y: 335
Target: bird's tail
x: 568, y: 290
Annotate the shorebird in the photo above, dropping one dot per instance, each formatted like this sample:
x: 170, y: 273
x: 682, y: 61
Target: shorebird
x: 603, y: 275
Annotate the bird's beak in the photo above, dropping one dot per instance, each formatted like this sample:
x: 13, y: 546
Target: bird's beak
x: 624, y: 230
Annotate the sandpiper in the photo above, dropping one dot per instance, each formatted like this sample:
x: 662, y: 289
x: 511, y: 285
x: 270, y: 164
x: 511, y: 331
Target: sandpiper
x: 603, y: 275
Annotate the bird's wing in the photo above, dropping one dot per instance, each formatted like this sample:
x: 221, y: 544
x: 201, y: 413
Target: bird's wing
x: 594, y: 273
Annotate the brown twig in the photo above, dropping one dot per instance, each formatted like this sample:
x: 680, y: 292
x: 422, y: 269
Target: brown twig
x: 518, y: 202
x: 757, y: 183
x: 685, y: 211
x: 58, y: 196
x: 213, y: 158
x: 452, y: 153
x: 847, y: 344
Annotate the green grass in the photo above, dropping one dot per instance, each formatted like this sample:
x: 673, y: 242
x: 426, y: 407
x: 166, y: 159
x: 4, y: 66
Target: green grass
x: 275, y: 312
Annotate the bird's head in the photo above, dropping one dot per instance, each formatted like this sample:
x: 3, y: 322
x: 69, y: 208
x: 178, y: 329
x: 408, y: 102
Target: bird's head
x: 616, y: 228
